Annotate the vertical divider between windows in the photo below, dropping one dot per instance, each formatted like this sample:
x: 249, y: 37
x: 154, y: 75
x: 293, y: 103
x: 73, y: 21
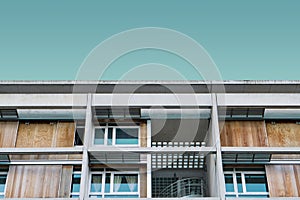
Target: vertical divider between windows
x: 84, y: 182
x: 216, y: 138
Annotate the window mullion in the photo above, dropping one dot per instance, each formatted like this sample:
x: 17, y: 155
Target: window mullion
x: 106, y: 134
x: 243, y: 182
x: 114, y: 136
x: 235, y: 183
x: 111, y: 182
x: 103, y: 184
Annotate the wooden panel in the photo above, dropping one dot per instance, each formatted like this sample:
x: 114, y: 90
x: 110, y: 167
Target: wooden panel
x: 32, y: 181
x: 143, y: 182
x: 143, y: 134
x: 66, y: 181
x: 244, y: 134
x: 283, y: 180
x: 65, y: 134
x: 283, y: 134
x: 64, y: 137
x: 8, y: 134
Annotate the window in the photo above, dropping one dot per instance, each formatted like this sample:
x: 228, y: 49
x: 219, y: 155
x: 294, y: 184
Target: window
x: 75, y: 188
x: 3, y: 176
x: 79, y: 135
x: 112, y: 184
x: 245, y: 183
x: 118, y: 135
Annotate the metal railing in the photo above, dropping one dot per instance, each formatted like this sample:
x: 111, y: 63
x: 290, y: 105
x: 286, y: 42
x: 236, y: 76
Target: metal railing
x: 189, y: 187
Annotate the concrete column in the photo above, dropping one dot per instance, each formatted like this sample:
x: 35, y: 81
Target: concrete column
x: 216, y: 139
x: 84, y: 182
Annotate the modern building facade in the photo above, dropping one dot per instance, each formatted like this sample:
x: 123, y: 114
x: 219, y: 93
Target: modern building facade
x: 209, y: 140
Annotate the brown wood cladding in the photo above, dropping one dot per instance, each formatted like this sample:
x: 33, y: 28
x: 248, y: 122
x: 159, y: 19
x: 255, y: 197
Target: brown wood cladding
x: 244, y: 134
x: 283, y: 180
x: 283, y: 134
x: 32, y: 181
x: 143, y: 181
x: 8, y: 134
x: 143, y: 134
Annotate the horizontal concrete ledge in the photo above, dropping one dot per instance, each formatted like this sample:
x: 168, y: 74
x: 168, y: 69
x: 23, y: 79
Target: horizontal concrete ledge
x: 192, y: 198
x: 269, y: 198
x: 152, y: 150
x: 149, y: 100
x: 43, y: 100
x: 255, y: 100
x: 260, y: 150
x: 158, y: 86
x: 58, y: 150
x: 42, y: 162
x: 199, y: 198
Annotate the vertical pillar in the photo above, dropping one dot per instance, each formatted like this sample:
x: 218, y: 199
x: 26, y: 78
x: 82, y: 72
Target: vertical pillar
x: 216, y: 140
x: 149, y: 165
x: 84, y: 190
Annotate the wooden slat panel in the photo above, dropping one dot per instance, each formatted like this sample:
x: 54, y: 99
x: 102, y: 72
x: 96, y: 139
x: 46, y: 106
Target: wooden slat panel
x: 143, y: 134
x: 65, y: 134
x: 244, y: 134
x: 65, y: 183
x: 284, y: 134
x: 143, y: 182
x: 64, y: 137
x: 8, y: 134
x: 283, y: 180
x: 33, y: 181
x: 41, y: 181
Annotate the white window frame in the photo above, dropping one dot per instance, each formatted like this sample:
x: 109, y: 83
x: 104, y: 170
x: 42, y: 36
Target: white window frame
x: 4, y: 173
x: 111, y: 192
x: 244, y: 189
x: 114, y: 135
x: 75, y: 193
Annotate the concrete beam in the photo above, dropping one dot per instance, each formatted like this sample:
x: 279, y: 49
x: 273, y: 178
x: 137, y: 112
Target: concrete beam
x: 150, y: 100
x: 152, y: 150
x: 265, y: 100
x: 57, y: 150
x: 260, y: 150
x: 43, y: 100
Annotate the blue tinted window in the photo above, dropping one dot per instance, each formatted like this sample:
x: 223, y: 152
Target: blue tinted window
x: 229, y: 183
x: 99, y: 136
x: 96, y: 184
x: 125, y: 183
x: 109, y: 136
x: 239, y: 182
x: 256, y: 183
x: 75, y: 183
x: 127, y: 136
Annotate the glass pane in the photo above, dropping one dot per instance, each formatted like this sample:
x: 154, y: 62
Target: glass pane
x: 2, y: 182
x: 75, y: 183
x: 121, y: 196
x: 253, y: 196
x: 99, y: 136
x: 229, y: 183
x: 125, y: 183
x: 127, y: 136
x: 96, y: 183
x: 230, y: 195
x: 109, y: 137
x: 239, y: 182
x: 107, y: 183
x: 75, y: 196
x: 256, y: 183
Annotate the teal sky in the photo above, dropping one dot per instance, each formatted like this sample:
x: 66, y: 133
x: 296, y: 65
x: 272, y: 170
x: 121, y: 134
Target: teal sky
x: 248, y: 40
